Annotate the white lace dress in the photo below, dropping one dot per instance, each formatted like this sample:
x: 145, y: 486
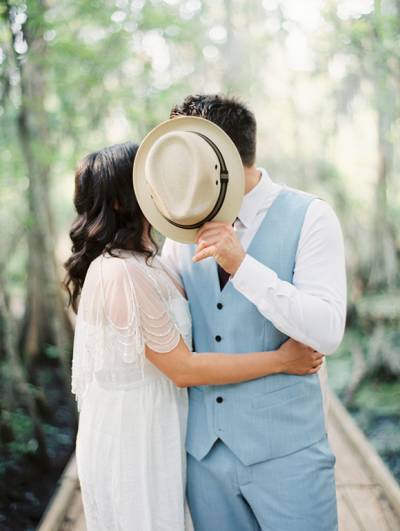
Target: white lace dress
x: 131, y: 438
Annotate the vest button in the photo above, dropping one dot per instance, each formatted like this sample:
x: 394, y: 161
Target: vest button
x: 219, y: 399
x: 220, y: 306
x: 218, y: 338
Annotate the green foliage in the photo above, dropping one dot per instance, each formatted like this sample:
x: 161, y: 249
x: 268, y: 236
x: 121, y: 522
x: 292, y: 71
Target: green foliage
x: 21, y: 426
x: 52, y: 352
x: 327, y: 104
x: 379, y: 397
x: 340, y: 366
x: 380, y: 307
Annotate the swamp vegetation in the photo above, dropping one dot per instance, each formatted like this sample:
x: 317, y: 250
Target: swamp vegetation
x: 323, y: 78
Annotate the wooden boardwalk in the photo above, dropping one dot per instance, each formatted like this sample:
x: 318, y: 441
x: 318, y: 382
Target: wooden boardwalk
x: 368, y: 496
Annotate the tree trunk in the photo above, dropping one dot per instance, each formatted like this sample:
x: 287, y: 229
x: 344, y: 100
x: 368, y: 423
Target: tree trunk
x: 384, y: 268
x: 18, y: 386
x: 45, y: 321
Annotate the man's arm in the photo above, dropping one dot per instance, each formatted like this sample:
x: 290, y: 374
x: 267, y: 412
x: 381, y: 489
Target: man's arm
x: 312, y: 310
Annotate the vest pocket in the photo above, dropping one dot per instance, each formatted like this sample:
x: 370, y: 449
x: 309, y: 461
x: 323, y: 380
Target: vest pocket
x: 285, y: 394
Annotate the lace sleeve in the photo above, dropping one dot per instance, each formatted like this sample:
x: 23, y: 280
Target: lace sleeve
x: 135, y: 305
x: 150, y: 297
x: 123, y: 307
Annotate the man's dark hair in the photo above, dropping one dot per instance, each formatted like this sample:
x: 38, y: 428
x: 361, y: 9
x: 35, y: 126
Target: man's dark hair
x: 230, y: 114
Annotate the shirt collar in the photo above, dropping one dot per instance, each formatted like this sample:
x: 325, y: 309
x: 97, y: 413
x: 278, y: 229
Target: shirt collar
x: 256, y: 199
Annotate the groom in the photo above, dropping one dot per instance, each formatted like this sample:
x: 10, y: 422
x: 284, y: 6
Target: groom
x: 258, y: 454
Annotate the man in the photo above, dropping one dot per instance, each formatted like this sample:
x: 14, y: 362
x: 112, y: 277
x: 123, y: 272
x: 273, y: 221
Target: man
x: 258, y: 455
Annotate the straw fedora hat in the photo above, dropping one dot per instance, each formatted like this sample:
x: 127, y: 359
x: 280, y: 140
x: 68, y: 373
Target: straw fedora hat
x: 187, y: 171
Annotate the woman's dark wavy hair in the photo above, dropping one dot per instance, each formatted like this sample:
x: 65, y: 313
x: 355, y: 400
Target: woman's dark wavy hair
x: 109, y: 216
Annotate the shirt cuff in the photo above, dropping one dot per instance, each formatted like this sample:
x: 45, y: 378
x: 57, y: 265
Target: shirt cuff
x: 251, y: 275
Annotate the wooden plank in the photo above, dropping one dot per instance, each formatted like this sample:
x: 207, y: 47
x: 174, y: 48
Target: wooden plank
x: 62, y: 498
x: 366, y: 507
x: 348, y: 469
x: 359, y: 445
x: 74, y: 516
x: 365, y: 494
x: 361, y: 502
x: 80, y: 525
x: 346, y: 517
x: 392, y: 520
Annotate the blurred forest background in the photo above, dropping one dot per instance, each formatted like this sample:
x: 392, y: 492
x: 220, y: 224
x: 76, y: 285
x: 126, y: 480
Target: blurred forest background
x: 323, y: 78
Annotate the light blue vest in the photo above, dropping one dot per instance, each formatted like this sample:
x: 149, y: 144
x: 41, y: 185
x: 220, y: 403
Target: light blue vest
x: 272, y: 416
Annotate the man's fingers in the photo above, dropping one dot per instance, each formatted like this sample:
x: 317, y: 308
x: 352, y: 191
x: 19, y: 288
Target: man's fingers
x: 214, y: 226
x: 316, y: 368
x: 207, y: 234
x: 317, y: 364
x: 205, y: 253
x: 203, y: 243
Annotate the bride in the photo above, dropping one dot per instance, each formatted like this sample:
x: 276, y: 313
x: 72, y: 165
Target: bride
x: 132, y: 358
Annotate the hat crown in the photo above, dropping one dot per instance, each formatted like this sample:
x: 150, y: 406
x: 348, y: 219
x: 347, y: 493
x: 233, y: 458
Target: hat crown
x: 183, y: 173
x: 187, y: 171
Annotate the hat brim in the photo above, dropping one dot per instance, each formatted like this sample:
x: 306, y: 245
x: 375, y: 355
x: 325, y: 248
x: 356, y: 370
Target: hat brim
x: 235, y: 189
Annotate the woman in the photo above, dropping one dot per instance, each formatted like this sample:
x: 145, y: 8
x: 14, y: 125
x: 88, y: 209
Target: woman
x: 132, y: 359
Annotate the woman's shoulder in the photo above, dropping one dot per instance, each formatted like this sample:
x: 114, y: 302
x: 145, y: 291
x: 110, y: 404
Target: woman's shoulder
x: 106, y: 269
x: 120, y: 269
x: 139, y: 268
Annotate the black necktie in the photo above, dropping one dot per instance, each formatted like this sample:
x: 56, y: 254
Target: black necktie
x: 223, y: 276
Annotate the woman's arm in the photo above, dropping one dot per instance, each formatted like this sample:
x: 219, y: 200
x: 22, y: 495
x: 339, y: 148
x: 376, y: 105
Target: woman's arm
x: 188, y: 369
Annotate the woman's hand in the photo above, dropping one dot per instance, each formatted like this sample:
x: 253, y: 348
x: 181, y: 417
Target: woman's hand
x: 297, y: 358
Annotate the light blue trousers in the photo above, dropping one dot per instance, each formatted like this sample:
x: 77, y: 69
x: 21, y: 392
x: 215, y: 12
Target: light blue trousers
x: 292, y: 493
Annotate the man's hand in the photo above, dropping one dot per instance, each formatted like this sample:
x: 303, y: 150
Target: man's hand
x: 296, y: 358
x: 218, y: 239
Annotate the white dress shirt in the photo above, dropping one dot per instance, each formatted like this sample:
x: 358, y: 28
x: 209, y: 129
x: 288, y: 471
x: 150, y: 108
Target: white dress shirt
x: 311, y: 309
